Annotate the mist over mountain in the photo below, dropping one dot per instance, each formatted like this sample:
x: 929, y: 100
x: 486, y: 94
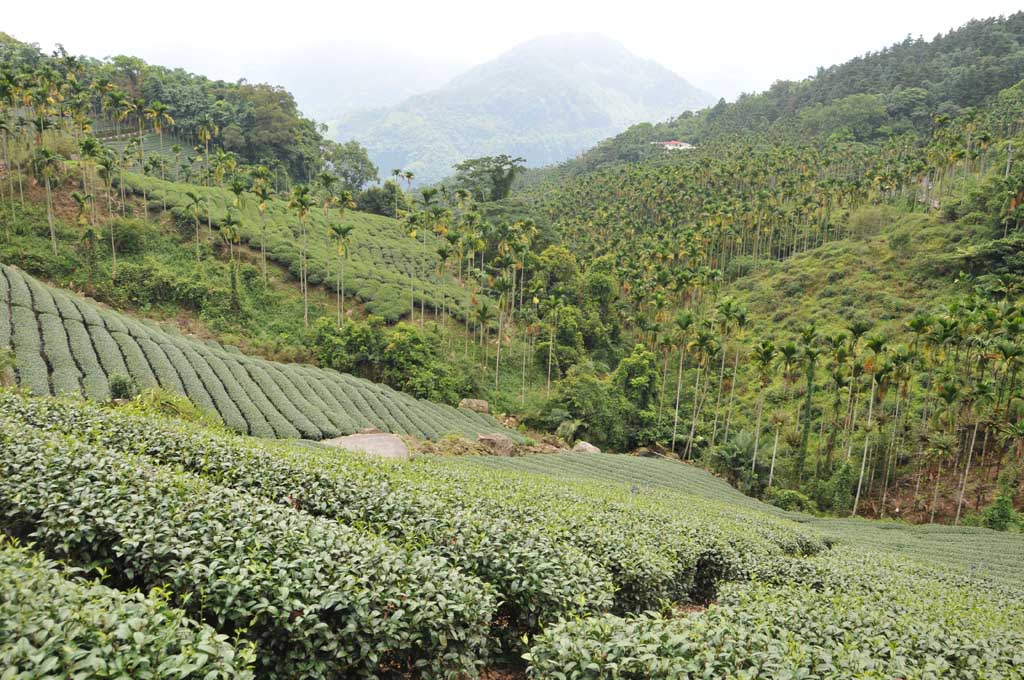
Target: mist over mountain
x: 329, y: 81
x: 545, y: 100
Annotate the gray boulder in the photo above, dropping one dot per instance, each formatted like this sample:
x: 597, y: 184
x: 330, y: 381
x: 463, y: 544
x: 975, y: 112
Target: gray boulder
x: 478, y: 405
x: 497, y: 444
x: 379, y: 444
x: 585, y: 447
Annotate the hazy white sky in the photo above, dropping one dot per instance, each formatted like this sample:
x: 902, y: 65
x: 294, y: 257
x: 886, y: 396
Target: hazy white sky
x: 724, y: 46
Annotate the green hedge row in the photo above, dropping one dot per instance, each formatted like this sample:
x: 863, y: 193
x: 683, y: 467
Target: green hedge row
x: 65, y: 376
x: 250, y: 395
x: 56, y: 625
x: 383, y: 259
x: 872, y: 617
x: 317, y: 599
x: 656, y: 546
x: 538, y: 578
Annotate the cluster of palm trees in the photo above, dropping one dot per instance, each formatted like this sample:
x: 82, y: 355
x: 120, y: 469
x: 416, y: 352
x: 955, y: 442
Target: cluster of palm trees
x: 921, y: 415
x: 679, y: 229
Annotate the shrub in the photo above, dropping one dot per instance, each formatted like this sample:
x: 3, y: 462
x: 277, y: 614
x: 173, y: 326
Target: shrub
x: 122, y: 386
x: 788, y: 499
x: 54, y: 624
x: 539, y: 579
x: 882, y: 620
x: 317, y: 599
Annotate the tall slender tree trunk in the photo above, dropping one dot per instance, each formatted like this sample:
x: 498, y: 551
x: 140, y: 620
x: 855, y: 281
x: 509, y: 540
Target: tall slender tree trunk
x: 775, y: 449
x: 343, y: 291
x: 664, y: 379
x: 718, y: 399
x: 967, y: 470
x: 679, y: 391
x: 867, y: 440
x: 696, y: 410
x: 732, y: 394
x: 551, y: 351
x: 890, y: 456
x: 497, y: 353
x: 757, y: 430
x: 49, y: 214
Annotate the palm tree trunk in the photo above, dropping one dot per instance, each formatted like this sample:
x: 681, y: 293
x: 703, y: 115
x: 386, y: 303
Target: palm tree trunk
x: 304, y: 277
x: 49, y: 214
x: 718, y: 399
x: 967, y: 469
x: 679, y: 391
x: 497, y: 353
x: 775, y: 449
x: 526, y: 353
x: 867, y: 440
x: 757, y: 430
x: 696, y: 408
x: 732, y: 394
x: 551, y: 351
x: 337, y: 290
x: 263, y: 245
x: 664, y: 379
x: 890, y: 456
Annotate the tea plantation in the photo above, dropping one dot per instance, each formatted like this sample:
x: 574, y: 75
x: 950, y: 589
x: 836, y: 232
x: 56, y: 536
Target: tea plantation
x: 66, y: 345
x: 303, y: 561
x: 969, y: 551
x: 385, y: 268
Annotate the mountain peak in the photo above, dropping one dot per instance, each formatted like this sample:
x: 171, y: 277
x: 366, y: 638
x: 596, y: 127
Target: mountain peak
x: 546, y: 100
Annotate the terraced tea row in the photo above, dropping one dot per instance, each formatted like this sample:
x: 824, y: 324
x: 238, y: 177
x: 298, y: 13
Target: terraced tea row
x: 55, y: 624
x: 498, y: 562
x: 971, y: 551
x: 65, y: 345
x: 550, y: 550
x: 317, y: 599
x: 864, y: 616
x: 385, y: 268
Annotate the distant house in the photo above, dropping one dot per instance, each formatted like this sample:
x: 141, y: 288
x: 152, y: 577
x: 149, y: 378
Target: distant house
x: 674, y: 145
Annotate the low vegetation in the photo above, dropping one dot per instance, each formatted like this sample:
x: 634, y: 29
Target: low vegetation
x: 67, y: 345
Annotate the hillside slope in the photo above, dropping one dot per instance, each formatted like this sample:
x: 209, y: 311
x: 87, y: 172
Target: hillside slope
x: 545, y: 100
x: 66, y: 345
x: 384, y: 268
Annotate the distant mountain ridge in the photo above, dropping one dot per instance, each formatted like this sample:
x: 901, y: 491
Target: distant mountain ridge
x: 545, y: 100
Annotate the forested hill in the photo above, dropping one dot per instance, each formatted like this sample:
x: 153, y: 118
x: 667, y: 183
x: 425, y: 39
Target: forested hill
x: 545, y: 100
x: 899, y: 89
x: 822, y: 294
x: 114, y: 97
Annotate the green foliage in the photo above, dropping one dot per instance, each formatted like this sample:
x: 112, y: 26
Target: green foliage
x: 54, y: 622
x: 109, y: 353
x: 404, y: 356
x: 597, y: 409
x: 382, y: 262
x: 488, y: 178
x: 123, y: 386
x: 537, y: 577
x: 160, y: 402
x: 961, y: 551
x: 924, y: 626
x: 788, y: 499
x: 352, y: 165
x: 319, y: 612
x: 1000, y: 515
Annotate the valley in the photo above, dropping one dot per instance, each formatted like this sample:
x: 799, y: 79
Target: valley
x: 745, y: 406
